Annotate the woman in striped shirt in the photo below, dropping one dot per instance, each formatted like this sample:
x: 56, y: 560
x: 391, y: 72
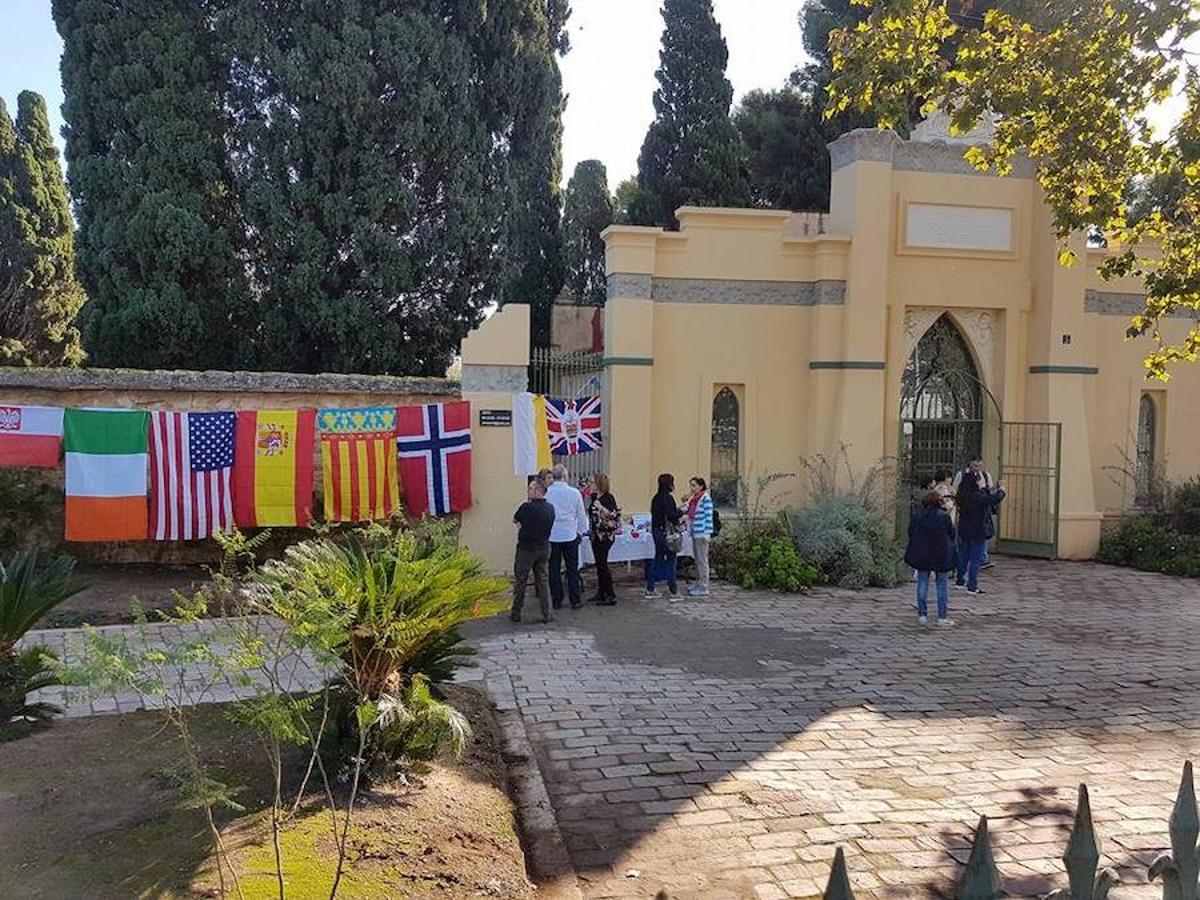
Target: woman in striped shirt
x: 700, y: 523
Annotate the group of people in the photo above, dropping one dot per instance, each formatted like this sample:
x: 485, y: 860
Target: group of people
x: 949, y: 532
x: 555, y: 519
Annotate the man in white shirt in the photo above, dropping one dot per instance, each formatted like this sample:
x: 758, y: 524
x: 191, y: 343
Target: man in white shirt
x: 570, y: 524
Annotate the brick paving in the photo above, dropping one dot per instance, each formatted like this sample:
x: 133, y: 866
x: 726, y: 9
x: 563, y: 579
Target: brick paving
x: 724, y: 747
x: 195, y: 683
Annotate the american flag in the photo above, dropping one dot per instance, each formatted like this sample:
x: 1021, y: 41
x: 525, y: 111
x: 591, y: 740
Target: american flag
x: 191, y: 458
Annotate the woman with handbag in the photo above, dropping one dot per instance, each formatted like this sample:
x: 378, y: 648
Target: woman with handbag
x: 605, y: 521
x: 665, y: 516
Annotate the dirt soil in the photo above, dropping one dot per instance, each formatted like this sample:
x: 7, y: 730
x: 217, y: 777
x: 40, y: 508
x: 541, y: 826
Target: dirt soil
x: 89, y: 809
x: 112, y: 590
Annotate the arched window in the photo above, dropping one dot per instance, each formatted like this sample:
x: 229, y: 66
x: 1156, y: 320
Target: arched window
x: 726, y: 446
x: 1147, y: 434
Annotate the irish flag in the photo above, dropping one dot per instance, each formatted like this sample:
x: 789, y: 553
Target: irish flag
x: 30, y: 436
x: 273, y: 468
x: 106, y: 474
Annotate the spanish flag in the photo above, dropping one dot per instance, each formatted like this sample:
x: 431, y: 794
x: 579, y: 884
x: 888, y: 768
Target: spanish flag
x: 531, y: 436
x: 106, y: 474
x: 358, y: 463
x: 273, y: 468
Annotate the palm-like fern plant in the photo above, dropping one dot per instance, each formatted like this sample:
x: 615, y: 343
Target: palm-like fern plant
x: 27, y: 592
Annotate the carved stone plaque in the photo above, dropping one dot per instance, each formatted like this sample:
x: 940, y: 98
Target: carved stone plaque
x: 959, y: 227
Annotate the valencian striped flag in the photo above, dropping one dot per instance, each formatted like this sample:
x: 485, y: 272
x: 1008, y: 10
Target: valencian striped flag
x: 358, y: 461
x: 30, y: 436
x: 106, y: 474
x: 273, y: 468
x: 191, y: 463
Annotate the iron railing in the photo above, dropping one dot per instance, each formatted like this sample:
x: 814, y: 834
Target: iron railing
x: 572, y: 374
x: 981, y: 878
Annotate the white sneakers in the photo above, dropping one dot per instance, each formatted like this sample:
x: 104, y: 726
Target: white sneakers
x: 922, y: 620
x: 945, y: 623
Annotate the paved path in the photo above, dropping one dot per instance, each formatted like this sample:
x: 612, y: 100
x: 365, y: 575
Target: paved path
x: 195, y: 683
x: 724, y: 747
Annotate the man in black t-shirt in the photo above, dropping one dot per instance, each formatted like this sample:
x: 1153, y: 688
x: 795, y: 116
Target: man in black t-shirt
x: 535, y: 518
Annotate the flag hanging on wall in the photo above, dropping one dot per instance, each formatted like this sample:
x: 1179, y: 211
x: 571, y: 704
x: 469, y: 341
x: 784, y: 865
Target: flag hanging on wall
x: 574, y: 425
x: 434, y: 446
x: 106, y: 474
x: 358, y: 461
x: 531, y: 439
x: 30, y: 436
x: 273, y: 468
x: 191, y: 464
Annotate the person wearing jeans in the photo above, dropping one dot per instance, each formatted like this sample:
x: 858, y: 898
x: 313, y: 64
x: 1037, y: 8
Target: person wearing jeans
x: 664, y: 514
x: 700, y: 524
x: 535, y: 518
x: 976, y: 505
x: 570, y: 524
x: 931, y: 550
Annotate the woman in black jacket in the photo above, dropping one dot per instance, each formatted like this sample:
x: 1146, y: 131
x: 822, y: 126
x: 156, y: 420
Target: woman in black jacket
x: 664, y: 517
x: 931, y: 549
x: 605, y: 520
x: 976, y: 506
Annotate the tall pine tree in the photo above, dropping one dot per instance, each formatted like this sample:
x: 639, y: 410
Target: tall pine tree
x: 692, y: 153
x: 39, y: 294
x: 587, y: 212
x: 145, y: 154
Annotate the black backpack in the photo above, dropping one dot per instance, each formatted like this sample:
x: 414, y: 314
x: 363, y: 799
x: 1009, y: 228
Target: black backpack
x: 716, y: 522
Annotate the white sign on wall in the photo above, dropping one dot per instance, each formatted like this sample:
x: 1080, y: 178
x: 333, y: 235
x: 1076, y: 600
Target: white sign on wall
x: 941, y: 227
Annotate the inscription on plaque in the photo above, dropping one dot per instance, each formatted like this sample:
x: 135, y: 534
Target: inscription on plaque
x: 495, y: 418
x: 959, y: 227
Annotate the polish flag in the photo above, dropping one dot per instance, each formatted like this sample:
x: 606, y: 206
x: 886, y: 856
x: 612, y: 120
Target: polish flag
x: 30, y: 436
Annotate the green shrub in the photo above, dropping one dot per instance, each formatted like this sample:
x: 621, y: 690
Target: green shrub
x: 31, y: 501
x: 847, y: 541
x: 759, y: 553
x: 1184, y: 507
x: 1142, y: 543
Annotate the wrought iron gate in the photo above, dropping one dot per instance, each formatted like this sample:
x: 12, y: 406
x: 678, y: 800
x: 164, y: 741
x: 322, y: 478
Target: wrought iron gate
x: 572, y: 374
x: 1030, y: 463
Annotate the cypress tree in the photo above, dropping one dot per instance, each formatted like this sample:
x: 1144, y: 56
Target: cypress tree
x: 587, y: 212
x: 39, y: 294
x: 144, y: 146
x: 691, y: 154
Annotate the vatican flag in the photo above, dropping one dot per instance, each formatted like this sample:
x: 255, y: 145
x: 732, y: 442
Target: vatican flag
x: 531, y: 438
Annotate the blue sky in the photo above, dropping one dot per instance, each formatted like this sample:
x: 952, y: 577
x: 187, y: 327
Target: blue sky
x: 608, y: 75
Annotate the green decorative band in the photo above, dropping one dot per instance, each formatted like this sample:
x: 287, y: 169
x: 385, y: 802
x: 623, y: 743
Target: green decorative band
x: 628, y: 361
x: 847, y: 364
x: 1064, y: 370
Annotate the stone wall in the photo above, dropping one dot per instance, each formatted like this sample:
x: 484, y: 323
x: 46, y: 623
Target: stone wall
x: 187, y: 392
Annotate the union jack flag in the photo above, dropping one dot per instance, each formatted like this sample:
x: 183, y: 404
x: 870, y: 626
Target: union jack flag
x: 574, y: 425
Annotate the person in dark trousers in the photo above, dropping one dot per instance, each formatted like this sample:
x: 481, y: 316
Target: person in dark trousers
x: 931, y: 550
x: 570, y: 525
x: 976, y: 504
x: 536, y: 518
x: 664, y: 527
x: 605, y: 518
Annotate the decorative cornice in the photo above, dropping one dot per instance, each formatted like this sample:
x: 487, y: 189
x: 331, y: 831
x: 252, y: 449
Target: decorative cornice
x: 624, y: 286
x: 862, y: 145
x: 1064, y: 370
x: 749, y: 292
x: 610, y: 361
x: 882, y: 145
x: 871, y: 365
x: 1123, y: 303
x: 222, y: 382
x: 497, y: 379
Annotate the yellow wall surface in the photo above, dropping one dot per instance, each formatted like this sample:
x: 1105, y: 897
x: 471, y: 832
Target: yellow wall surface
x: 816, y: 330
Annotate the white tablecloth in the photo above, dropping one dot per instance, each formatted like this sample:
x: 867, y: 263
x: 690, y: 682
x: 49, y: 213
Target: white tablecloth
x: 633, y: 544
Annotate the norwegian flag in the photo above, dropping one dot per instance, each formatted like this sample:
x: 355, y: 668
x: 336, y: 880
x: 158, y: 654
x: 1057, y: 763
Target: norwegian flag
x: 434, y: 445
x: 574, y: 425
x: 191, y: 461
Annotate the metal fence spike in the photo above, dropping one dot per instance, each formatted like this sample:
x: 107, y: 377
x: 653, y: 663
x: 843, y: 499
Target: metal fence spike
x: 981, y: 879
x: 1178, y: 869
x: 839, y: 879
x: 1082, y: 858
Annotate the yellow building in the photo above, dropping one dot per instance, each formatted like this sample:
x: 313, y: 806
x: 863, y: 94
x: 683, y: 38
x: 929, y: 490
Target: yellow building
x: 924, y: 318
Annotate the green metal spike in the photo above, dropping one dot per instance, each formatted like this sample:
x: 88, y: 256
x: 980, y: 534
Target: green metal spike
x: 1082, y: 858
x: 1179, y: 868
x: 839, y: 879
x: 981, y: 879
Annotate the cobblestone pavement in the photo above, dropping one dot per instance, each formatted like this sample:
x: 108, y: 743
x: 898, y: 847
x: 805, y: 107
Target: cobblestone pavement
x: 195, y: 683
x: 724, y: 747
